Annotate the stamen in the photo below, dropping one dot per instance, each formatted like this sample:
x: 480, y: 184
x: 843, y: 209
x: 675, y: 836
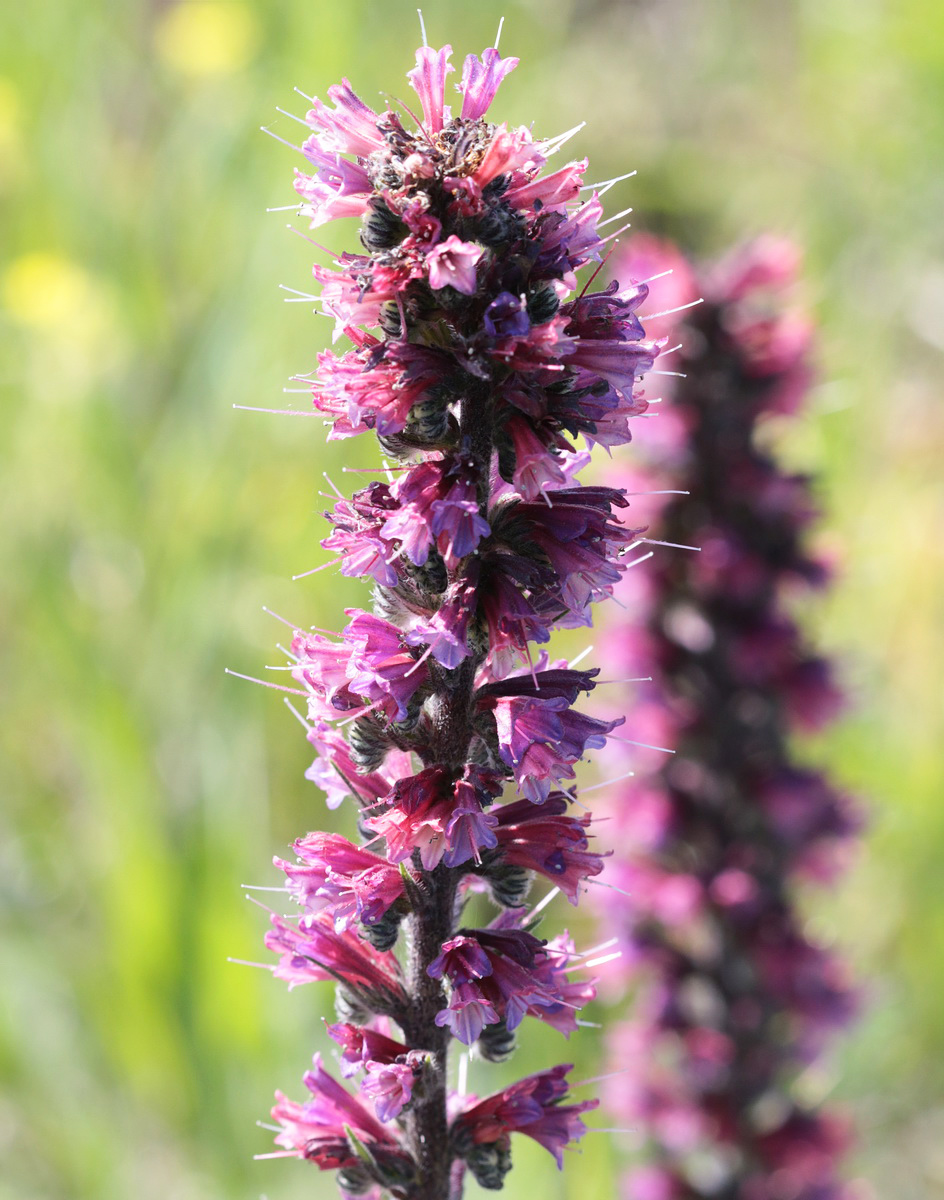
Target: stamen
x: 661, y: 492
x: 285, y: 113
x: 300, y: 296
x: 333, y: 485
x: 554, y: 892
x: 580, y: 657
x: 291, y: 707
x: 265, y: 683
x: 676, y: 374
x: 244, y: 962
x: 554, y: 144
x: 607, y: 183
x: 661, y: 275
x: 419, y: 13
x: 282, y: 412
x: 306, y: 238
x: 606, y: 783
x: 645, y: 745
x: 285, y: 207
x: 256, y: 887
x: 674, y: 545
x: 616, y: 217
x: 598, y: 962
x: 463, y: 1079
x: 622, y: 229
x: 291, y: 145
x: 611, y: 886
x: 596, y: 949
x: 314, y: 571
x: 294, y: 628
x: 501, y: 24
x: 668, y: 312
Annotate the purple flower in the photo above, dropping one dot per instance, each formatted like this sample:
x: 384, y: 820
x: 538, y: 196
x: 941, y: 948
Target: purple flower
x: 389, y: 1086
x: 531, y: 1106
x: 506, y: 316
x: 544, y: 839
x: 542, y: 739
x: 360, y: 1045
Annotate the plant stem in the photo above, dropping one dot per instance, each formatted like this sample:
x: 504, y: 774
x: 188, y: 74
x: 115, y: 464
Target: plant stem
x: 433, y: 923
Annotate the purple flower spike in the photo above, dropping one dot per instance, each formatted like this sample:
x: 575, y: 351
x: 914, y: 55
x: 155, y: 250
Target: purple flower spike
x: 486, y: 370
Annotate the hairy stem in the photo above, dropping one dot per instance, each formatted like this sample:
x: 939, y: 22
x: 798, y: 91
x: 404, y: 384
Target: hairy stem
x: 433, y: 923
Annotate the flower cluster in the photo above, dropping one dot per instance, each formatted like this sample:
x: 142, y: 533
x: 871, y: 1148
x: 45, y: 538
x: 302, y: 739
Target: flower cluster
x: 734, y: 997
x: 477, y: 367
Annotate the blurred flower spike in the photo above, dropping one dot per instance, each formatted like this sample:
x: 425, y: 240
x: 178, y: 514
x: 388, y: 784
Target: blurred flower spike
x: 734, y: 998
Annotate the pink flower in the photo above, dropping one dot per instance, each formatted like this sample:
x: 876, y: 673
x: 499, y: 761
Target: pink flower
x: 428, y: 80
x: 452, y: 264
x: 481, y: 79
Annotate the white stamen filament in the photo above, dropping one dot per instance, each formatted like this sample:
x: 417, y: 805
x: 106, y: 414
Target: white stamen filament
x: 615, y: 217
x: 281, y: 412
x: 291, y: 145
x: 580, y: 657
x: 285, y: 113
x: 292, y: 709
x: 673, y: 545
x: 314, y: 570
x: 606, y: 783
x: 607, y: 183
x: 645, y: 745
x: 265, y: 683
x: 554, y: 892
x: 668, y: 311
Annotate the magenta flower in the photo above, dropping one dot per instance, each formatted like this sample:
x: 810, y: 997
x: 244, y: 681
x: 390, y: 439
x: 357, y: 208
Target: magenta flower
x: 533, y: 1107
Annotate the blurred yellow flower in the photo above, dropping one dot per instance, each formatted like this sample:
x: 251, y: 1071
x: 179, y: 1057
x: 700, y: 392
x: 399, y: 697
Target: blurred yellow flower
x: 45, y: 290
x: 77, y: 334
x: 207, y: 37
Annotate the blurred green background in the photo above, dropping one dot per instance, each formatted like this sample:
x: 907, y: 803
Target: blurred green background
x: 145, y: 523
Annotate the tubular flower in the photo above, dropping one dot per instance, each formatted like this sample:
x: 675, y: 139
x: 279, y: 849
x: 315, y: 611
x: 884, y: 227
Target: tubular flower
x: 471, y: 358
x: 734, y: 997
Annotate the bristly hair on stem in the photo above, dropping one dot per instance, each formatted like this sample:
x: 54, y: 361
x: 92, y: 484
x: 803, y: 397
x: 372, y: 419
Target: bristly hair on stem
x: 477, y: 364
